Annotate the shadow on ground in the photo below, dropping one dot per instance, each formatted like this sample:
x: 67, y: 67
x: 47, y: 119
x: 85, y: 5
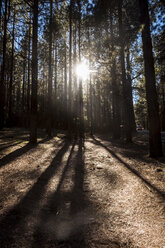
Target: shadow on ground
x: 16, y: 218
x: 159, y: 192
x: 19, y: 152
x: 64, y: 220
x: 139, y: 145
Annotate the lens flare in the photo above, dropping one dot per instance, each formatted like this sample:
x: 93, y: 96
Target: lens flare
x: 82, y: 71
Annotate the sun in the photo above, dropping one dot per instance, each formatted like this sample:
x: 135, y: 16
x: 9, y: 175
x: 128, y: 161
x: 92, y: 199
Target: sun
x: 82, y: 70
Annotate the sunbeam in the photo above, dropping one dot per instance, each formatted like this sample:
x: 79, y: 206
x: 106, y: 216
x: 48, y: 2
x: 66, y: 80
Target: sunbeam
x: 82, y: 70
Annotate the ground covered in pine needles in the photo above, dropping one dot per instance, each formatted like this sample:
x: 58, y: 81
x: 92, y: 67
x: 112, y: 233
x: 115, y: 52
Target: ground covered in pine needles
x: 93, y: 193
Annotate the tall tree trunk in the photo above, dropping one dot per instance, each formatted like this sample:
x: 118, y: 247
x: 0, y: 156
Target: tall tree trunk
x: 0, y: 13
x: 91, y: 104
x: 94, y: 97
x: 70, y: 69
x: 54, y: 103
x: 81, y: 117
x: 155, y: 145
x: 126, y: 115
x: 162, y: 83
x: 90, y: 86
x: 24, y: 83
x: 129, y: 92
x: 163, y: 116
x: 33, y: 130
x: 29, y: 73
x: 115, y: 88
x: 98, y: 104
x: 50, y: 75
x: 65, y: 85
x: 75, y: 79
x: 3, y: 69
x: 18, y: 99
x: 11, y: 72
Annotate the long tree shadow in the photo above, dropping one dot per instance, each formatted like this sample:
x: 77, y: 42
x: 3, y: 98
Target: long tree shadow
x: 9, y: 144
x: 78, y: 188
x: 19, y: 152
x: 135, y: 172
x: 62, y: 218
x: 46, y: 228
x: 133, y: 149
x: 79, y: 201
x: 16, y: 218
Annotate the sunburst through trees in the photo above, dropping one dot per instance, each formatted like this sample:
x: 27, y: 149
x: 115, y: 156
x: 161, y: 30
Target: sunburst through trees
x: 77, y: 65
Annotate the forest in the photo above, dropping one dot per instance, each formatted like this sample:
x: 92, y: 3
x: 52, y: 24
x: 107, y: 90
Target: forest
x: 82, y: 123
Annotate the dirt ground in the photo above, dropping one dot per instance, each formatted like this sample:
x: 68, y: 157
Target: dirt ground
x: 93, y: 193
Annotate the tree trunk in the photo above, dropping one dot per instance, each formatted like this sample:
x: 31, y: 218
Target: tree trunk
x: 90, y: 104
x: 115, y: 88
x: 126, y: 115
x: 81, y: 117
x: 33, y: 130
x: 29, y: 73
x: 50, y: 75
x: 70, y: 69
x: 54, y: 103
x: 129, y: 93
x: 75, y: 113
x: 0, y: 13
x: 155, y: 145
x: 162, y: 83
x: 3, y: 69
x: 163, y: 116
x: 11, y: 72
x: 24, y: 82
x: 65, y: 86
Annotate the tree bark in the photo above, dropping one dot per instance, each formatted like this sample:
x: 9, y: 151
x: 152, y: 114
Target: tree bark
x: 90, y: 86
x: 11, y: 72
x: 129, y: 93
x: 126, y: 116
x: 65, y: 86
x: 70, y: 68
x: 50, y: 75
x: 75, y: 92
x: 0, y: 13
x: 155, y: 145
x: 81, y: 117
x: 3, y: 69
x: 29, y: 74
x: 24, y: 82
x: 33, y: 129
x: 115, y: 88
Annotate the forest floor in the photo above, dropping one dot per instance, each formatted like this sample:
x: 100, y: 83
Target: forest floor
x: 93, y: 193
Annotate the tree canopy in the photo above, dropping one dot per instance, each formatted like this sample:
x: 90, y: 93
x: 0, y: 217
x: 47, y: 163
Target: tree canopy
x: 83, y: 66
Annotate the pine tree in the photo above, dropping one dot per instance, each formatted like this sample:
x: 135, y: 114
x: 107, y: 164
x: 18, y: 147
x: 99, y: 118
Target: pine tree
x: 33, y: 127
x: 155, y: 146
